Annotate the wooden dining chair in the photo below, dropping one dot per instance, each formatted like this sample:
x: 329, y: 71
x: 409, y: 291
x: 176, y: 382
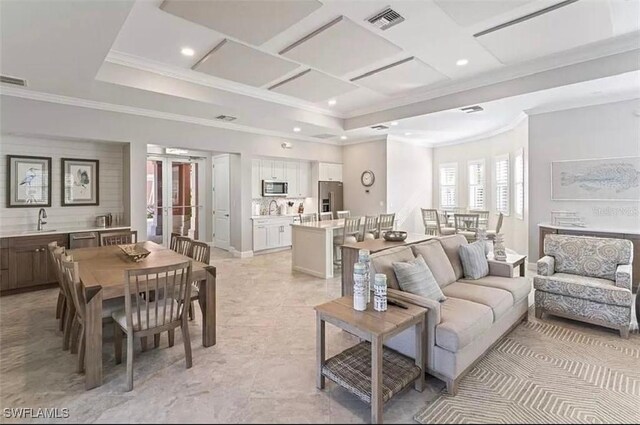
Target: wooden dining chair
x: 349, y: 234
x: 183, y: 245
x: 325, y: 216
x: 467, y: 225
x: 173, y: 243
x: 483, y: 218
x: 308, y: 218
x: 201, y: 252
x: 370, y: 229
x: 343, y: 214
x: 491, y: 234
x: 61, y: 304
x: 385, y: 223
x: 119, y: 238
x: 141, y: 318
x: 69, y: 313
x: 431, y: 221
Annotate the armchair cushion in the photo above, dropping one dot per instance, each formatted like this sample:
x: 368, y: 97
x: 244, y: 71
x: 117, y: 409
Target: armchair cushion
x: 588, y: 256
x: 584, y: 287
x: 623, y: 276
x: 546, y: 266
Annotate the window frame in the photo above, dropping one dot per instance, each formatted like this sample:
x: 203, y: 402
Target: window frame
x: 454, y: 186
x: 506, y: 183
x: 518, y: 184
x: 482, y: 184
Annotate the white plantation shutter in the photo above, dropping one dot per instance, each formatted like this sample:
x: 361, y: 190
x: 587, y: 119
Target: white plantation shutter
x: 518, y: 170
x: 448, y: 179
x: 476, y: 185
x: 502, y: 184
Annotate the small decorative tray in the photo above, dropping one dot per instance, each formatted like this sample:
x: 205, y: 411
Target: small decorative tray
x: 395, y: 235
x: 134, y: 252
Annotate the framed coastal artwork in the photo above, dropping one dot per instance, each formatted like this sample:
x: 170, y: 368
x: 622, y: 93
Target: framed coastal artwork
x: 605, y: 179
x: 80, y: 185
x: 28, y: 181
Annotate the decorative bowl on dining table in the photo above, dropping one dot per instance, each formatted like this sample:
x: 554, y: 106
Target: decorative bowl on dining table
x: 395, y: 235
x: 134, y: 252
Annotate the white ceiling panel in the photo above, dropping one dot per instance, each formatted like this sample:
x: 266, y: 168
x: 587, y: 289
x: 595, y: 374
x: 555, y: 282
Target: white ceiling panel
x: 234, y: 61
x: 340, y: 47
x: 565, y: 28
x: 469, y: 12
x: 313, y: 86
x: 399, y: 77
x: 254, y: 21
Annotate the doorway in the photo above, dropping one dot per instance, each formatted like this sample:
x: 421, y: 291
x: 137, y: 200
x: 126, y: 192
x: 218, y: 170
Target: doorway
x: 174, y: 198
x: 221, y: 202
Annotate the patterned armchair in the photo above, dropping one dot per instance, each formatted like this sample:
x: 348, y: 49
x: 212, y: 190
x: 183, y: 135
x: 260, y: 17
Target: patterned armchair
x: 587, y: 279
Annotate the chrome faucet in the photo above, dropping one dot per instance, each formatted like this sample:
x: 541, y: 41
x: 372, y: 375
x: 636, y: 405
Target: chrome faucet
x: 273, y: 201
x: 41, y: 214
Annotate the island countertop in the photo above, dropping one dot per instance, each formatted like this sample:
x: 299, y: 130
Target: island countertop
x: 322, y: 225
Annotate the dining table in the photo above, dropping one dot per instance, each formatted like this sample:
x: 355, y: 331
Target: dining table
x: 102, y: 275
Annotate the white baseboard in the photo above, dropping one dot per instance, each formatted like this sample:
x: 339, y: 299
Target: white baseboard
x: 532, y: 266
x: 271, y: 251
x: 240, y: 254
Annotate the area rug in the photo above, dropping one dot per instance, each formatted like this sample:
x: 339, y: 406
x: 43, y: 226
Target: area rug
x: 545, y: 373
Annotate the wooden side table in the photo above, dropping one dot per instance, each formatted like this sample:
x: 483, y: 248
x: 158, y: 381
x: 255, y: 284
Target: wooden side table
x: 390, y: 371
x: 514, y: 260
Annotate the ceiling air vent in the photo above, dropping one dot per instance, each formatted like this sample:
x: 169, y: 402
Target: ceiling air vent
x: 380, y: 127
x: 386, y: 19
x: 472, y: 109
x: 324, y: 136
x: 13, y: 80
x: 225, y: 118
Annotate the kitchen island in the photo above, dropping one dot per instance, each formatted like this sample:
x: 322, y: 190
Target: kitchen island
x: 312, y: 247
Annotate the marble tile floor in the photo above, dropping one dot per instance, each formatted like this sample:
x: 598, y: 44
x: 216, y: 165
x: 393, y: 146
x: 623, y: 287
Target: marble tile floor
x: 262, y: 369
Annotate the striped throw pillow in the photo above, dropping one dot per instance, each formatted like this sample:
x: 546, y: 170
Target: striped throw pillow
x: 415, y: 277
x: 474, y: 260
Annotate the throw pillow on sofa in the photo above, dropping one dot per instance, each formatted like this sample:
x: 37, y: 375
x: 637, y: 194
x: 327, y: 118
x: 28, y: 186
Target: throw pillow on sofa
x: 415, y: 277
x: 474, y: 260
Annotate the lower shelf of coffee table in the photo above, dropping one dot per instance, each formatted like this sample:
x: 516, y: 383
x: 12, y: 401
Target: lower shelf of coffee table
x: 351, y: 369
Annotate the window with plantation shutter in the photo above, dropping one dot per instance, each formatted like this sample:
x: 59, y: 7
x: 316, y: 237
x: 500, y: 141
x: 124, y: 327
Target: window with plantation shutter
x: 502, y: 183
x: 476, y: 184
x: 518, y: 183
x: 448, y: 181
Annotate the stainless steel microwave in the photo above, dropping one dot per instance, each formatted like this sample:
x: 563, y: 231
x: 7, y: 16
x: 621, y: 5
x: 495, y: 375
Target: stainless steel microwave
x: 274, y: 188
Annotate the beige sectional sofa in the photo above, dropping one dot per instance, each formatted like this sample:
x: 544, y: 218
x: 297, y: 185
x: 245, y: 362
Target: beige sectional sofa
x: 476, y: 314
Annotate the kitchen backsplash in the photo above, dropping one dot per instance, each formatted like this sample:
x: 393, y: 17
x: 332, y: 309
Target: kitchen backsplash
x: 263, y: 205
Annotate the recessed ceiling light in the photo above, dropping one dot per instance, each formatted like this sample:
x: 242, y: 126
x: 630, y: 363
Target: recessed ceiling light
x: 332, y: 102
x: 296, y: 129
x: 187, y: 51
x: 343, y: 137
x: 394, y: 122
x: 407, y: 134
x: 462, y: 62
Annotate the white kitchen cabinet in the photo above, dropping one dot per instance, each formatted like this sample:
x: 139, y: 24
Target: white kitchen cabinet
x: 256, y: 179
x: 271, y: 233
x: 278, y: 170
x: 304, y: 180
x: 292, y: 176
x: 285, y: 235
x: 260, y: 238
x: 296, y: 173
x: 330, y: 172
x: 266, y: 169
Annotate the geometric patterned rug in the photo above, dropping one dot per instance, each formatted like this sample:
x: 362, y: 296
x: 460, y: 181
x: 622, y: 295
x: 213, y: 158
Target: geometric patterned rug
x: 544, y: 373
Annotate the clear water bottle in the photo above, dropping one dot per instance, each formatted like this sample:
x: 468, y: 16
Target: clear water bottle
x: 365, y: 258
x: 380, y: 292
x: 359, y: 295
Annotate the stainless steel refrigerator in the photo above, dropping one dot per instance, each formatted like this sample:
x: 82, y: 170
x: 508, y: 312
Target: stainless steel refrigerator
x: 330, y: 197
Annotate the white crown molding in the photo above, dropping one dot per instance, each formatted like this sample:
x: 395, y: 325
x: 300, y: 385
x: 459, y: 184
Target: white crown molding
x: 132, y: 110
x: 510, y: 126
x: 620, y: 44
x: 137, y: 62
x: 364, y: 140
x: 582, y: 103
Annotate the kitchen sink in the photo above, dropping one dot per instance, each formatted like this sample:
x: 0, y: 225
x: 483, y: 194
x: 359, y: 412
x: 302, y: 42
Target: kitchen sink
x: 39, y: 231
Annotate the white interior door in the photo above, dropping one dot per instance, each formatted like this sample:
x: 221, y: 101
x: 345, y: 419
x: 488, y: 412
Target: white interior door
x: 221, y: 217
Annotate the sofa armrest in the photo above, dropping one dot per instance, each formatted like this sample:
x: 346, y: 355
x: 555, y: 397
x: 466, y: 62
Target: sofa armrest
x: 500, y: 268
x: 546, y: 265
x: 433, y: 315
x: 623, y: 276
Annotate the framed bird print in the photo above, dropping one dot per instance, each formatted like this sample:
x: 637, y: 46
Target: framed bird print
x: 28, y: 181
x: 80, y: 185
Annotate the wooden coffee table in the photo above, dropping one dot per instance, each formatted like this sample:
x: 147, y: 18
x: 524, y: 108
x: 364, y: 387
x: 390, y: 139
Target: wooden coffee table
x: 391, y: 371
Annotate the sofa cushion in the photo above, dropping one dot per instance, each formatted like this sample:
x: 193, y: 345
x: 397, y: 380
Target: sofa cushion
x: 474, y: 260
x: 437, y: 260
x: 383, y: 262
x: 499, y: 300
x: 588, y: 256
x: 461, y: 322
x: 520, y: 287
x: 415, y: 277
x: 451, y: 245
x: 584, y: 287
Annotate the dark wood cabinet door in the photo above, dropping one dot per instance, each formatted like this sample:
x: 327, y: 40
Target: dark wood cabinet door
x: 28, y: 262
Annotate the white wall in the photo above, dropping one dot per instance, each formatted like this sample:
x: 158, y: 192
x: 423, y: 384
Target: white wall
x: 356, y: 159
x: 111, y: 181
x: 409, y: 183
x: 602, y: 131
x: 509, y: 142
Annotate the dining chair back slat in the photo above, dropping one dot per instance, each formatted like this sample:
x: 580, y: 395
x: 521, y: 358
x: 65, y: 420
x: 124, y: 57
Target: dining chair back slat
x: 385, y: 223
x: 343, y: 214
x: 499, y: 224
x: 325, y: 216
x: 119, y: 238
x: 183, y: 245
x: 483, y: 218
x: 173, y: 244
x: 201, y: 252
x: 308, y: 218
x: 467, y: 225
x: 431, y: 221
x: 370, y: 229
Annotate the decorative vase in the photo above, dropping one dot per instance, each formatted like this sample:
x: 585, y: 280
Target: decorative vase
x: 499, y: 251
x: 364, y: 258
x: 380, y: 292
x: 359, y: 295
